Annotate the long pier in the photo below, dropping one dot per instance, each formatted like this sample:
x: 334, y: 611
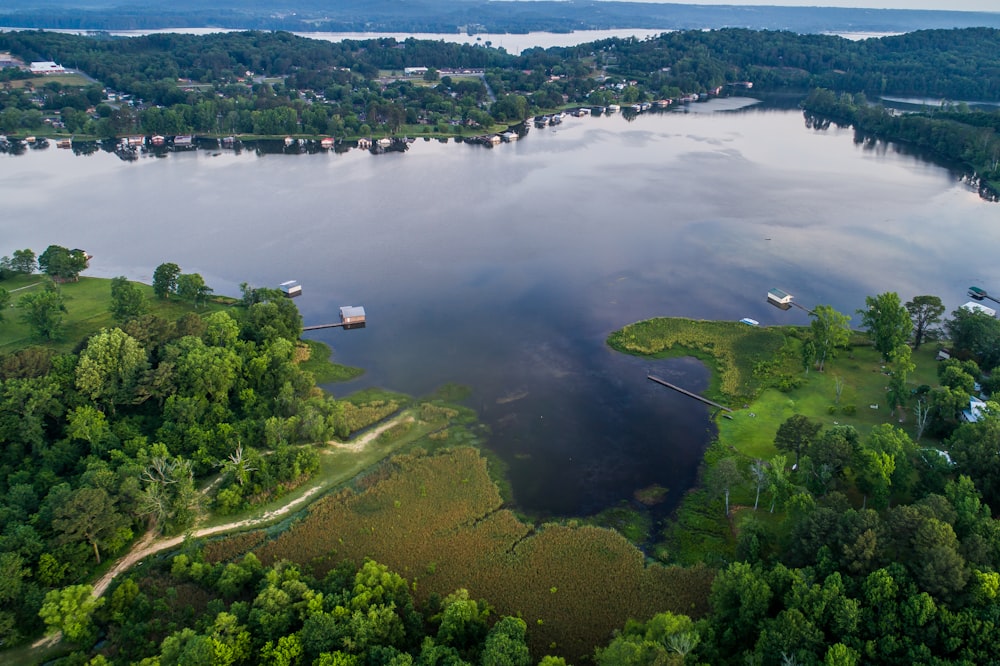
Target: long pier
x: 687, y: 393
x: 319, y: 326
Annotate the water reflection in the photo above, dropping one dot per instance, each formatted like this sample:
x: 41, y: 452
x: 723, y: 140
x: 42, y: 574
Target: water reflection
x: 504, y: 270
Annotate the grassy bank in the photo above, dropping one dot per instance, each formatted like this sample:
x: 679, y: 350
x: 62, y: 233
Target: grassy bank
x: 87, y: 302
x: 759, y: 371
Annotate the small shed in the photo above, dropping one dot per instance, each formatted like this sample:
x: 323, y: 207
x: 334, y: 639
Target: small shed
x: 778, y: 296
x: 352, y: 314
x: 291, y: 288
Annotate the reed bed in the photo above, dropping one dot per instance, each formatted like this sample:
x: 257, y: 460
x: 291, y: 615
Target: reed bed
x: 437, y: 520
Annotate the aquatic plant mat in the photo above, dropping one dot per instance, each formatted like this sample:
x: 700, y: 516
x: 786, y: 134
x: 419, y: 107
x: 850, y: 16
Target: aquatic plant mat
x: 437, y: 520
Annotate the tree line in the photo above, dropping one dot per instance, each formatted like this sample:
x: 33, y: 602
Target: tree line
x: 102, y: 443
x: 277, y: 83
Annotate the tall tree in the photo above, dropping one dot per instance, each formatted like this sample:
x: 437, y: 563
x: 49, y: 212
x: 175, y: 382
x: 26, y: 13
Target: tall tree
x: 165, y: 279
x: 127, y: 300
x: 4, y: 300
x: 111, y: 367
x: 722, y: 477
x: 925, y: 312
x: 829, y: 331
x: 796, y: 434
x: 887, y: 321
x: 976, y: 333
x: 192, y: 287
x: 60, y: 263
x: 90, y: 515
x: 43, y: 311
x: 23, y: 261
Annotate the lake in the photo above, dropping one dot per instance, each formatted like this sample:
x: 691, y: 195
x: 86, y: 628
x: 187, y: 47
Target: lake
x: 505, y: 269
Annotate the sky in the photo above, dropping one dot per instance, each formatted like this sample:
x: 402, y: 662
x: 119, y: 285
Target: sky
x: 952, y: 5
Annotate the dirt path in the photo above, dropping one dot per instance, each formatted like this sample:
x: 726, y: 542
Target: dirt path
x: 152, y: 543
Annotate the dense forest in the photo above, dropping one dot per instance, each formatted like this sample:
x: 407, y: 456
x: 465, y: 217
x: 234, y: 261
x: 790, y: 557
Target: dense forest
x: 472, y: 16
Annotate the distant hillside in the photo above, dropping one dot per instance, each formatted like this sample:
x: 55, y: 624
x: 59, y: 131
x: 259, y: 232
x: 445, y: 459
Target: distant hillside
x: 449, y: 16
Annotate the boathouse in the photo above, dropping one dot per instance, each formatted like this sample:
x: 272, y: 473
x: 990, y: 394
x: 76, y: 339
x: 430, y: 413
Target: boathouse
x: 778, y: 296
x: 364, y: 144
x: 352, y: 314
x: 291, y: 288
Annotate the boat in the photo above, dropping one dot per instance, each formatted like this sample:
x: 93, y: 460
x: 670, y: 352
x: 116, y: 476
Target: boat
x: 184, y: 141
x: 158, y: 140
x: 64, y: 143
x: 612, y: 108
x: 977, y: 293
x: 326, y: 143
x: 749, y: 322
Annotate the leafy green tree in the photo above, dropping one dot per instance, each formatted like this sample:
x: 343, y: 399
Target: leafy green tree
x: 70, y: 610
x: 505, y: 644
x: 192, y: 287
x: 831, y: 453
x: 976, y: 333
x: 925, y: 312
x: 59, y: 263
x: 165, y: 279
x: 975, y: 448
x: 23, y: 261
x: 4, y: 302
x: 796, y: 434
x: 111, y: 367
x: 829, y: 331
x: 90, y: 515
x: 887, y: 321
x: 127, y: 300
x: 722, y: 477
x: 463, y: 621
x: 43, y: 311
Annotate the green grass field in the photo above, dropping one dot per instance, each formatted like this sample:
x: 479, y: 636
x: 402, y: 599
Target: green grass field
x: 759, y: 373
x: 87, y: 304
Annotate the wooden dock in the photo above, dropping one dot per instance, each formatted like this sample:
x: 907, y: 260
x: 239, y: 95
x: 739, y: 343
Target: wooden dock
x: 687, y: 393
x: 319, y: 326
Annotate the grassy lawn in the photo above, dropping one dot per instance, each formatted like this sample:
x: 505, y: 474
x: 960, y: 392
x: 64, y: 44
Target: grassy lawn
x: 63, y: 79
x: 322, y: 368
x: 759, y: 373
x: 87, y: 304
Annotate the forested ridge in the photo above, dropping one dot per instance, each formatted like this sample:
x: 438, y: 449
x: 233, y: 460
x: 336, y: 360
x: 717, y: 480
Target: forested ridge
x: 276, y: 84
x: 472, y: 16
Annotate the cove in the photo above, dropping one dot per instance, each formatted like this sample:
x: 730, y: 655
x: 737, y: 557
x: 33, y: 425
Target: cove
x: 505, y: 269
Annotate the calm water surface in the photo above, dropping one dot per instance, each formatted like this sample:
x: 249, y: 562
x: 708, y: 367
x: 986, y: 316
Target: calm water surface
x: 505, y: 269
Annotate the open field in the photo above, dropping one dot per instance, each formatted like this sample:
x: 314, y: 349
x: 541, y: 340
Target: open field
x: 87, y: 304
x: 62, y: 79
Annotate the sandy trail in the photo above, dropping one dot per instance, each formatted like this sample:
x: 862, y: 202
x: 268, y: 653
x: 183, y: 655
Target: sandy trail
x: 151, y: 543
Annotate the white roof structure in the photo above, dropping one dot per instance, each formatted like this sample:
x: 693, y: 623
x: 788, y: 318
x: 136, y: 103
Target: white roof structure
x: 46, y: 67
x: 972, y: 306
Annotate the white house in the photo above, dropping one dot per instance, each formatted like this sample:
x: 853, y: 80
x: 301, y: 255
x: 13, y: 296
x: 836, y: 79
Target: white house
x: 972, y: 306
x: 47, y: 67
x: 414, y: 71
